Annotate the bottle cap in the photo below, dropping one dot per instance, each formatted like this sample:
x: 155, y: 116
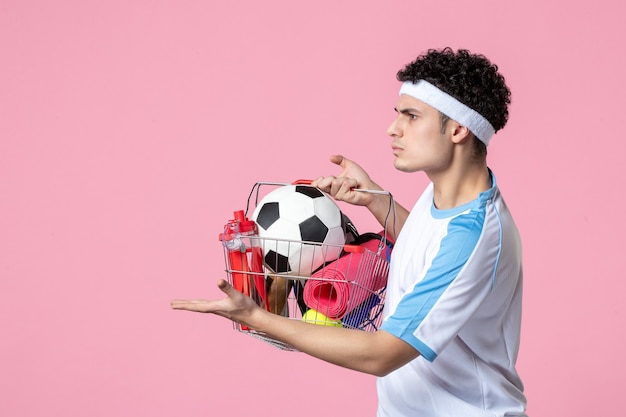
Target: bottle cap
x: 245, y: 225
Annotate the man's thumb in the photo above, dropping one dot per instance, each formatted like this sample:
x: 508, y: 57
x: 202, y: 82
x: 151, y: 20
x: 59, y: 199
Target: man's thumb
x: 338, y: 160
x: 225, y: 287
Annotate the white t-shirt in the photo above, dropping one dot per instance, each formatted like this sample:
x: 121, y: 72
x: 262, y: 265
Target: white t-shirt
x: 455, y: 294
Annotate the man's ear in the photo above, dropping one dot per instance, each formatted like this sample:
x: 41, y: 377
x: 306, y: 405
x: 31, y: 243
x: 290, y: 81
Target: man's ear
x: 460, y: 133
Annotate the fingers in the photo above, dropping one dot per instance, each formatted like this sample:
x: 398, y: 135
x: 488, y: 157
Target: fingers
x: 205, y: 306
x: 316, y: 182
x: 324, y: 183
x: 335, y: 186
x: 199, y: 306
x: 332, y: 183
x: 342, y: 187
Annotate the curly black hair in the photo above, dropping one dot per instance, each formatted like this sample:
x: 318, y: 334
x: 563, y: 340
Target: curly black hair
x: 470, y: 78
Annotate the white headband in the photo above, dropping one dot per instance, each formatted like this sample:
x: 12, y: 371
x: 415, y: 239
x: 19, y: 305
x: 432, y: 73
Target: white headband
x: 451, y: 107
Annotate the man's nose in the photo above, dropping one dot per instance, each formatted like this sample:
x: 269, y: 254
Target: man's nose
x: 394, y: 129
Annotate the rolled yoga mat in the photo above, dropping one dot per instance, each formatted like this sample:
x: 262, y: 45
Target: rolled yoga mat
x: 344, y: 284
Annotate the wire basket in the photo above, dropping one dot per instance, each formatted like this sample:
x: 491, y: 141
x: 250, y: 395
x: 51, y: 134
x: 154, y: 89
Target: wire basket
x: 325, y: 284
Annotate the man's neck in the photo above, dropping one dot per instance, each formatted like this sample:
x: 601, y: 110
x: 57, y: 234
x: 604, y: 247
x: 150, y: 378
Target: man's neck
x: 460, y: 185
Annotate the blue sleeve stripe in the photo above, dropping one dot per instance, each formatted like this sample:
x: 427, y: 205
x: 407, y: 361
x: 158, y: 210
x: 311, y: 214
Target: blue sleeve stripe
x: 408, y: 337
x: 455, y: 249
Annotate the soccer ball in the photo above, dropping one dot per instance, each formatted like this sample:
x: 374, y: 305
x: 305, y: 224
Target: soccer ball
x: 301, y: 228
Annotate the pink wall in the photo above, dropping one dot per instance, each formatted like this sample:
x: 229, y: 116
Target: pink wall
x: 130, y: 131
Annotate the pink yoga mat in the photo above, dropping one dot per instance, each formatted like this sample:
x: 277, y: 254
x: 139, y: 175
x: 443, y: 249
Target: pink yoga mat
x: 344, y: 284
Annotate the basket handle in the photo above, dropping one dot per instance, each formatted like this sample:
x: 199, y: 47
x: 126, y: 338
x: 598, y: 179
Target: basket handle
x: 302, y: 182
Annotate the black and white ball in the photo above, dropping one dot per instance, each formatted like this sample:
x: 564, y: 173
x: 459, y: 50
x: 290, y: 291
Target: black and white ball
x: 301, y: 228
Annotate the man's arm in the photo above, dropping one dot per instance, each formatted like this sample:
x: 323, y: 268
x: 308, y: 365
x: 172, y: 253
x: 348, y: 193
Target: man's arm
x: 376, y: 353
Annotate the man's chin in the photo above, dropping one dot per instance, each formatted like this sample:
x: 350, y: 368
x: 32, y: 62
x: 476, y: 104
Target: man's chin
x: 401, y: 166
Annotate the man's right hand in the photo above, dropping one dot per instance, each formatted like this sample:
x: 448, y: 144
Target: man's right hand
x: 342, y: 187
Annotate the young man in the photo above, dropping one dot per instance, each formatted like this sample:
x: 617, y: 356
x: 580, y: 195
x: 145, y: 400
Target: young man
x: 450, y: 335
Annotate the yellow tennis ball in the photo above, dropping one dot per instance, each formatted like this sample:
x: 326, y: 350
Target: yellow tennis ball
x: 315, y: 317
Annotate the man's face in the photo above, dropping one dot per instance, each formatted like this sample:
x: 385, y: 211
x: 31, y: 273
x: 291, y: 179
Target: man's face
x: 418, y: 143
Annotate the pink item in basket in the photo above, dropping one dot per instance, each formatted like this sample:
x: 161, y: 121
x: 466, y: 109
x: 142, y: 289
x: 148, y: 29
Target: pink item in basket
x: 344, y: 284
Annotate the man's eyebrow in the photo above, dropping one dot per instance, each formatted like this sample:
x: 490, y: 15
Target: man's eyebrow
x: 408, y: 110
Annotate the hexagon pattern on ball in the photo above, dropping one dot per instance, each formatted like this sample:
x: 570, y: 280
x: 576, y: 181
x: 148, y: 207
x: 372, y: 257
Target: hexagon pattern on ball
x: 301, y: 229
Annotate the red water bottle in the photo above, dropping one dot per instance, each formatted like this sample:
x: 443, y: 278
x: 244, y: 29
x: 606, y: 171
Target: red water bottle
x: 244, y: 255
